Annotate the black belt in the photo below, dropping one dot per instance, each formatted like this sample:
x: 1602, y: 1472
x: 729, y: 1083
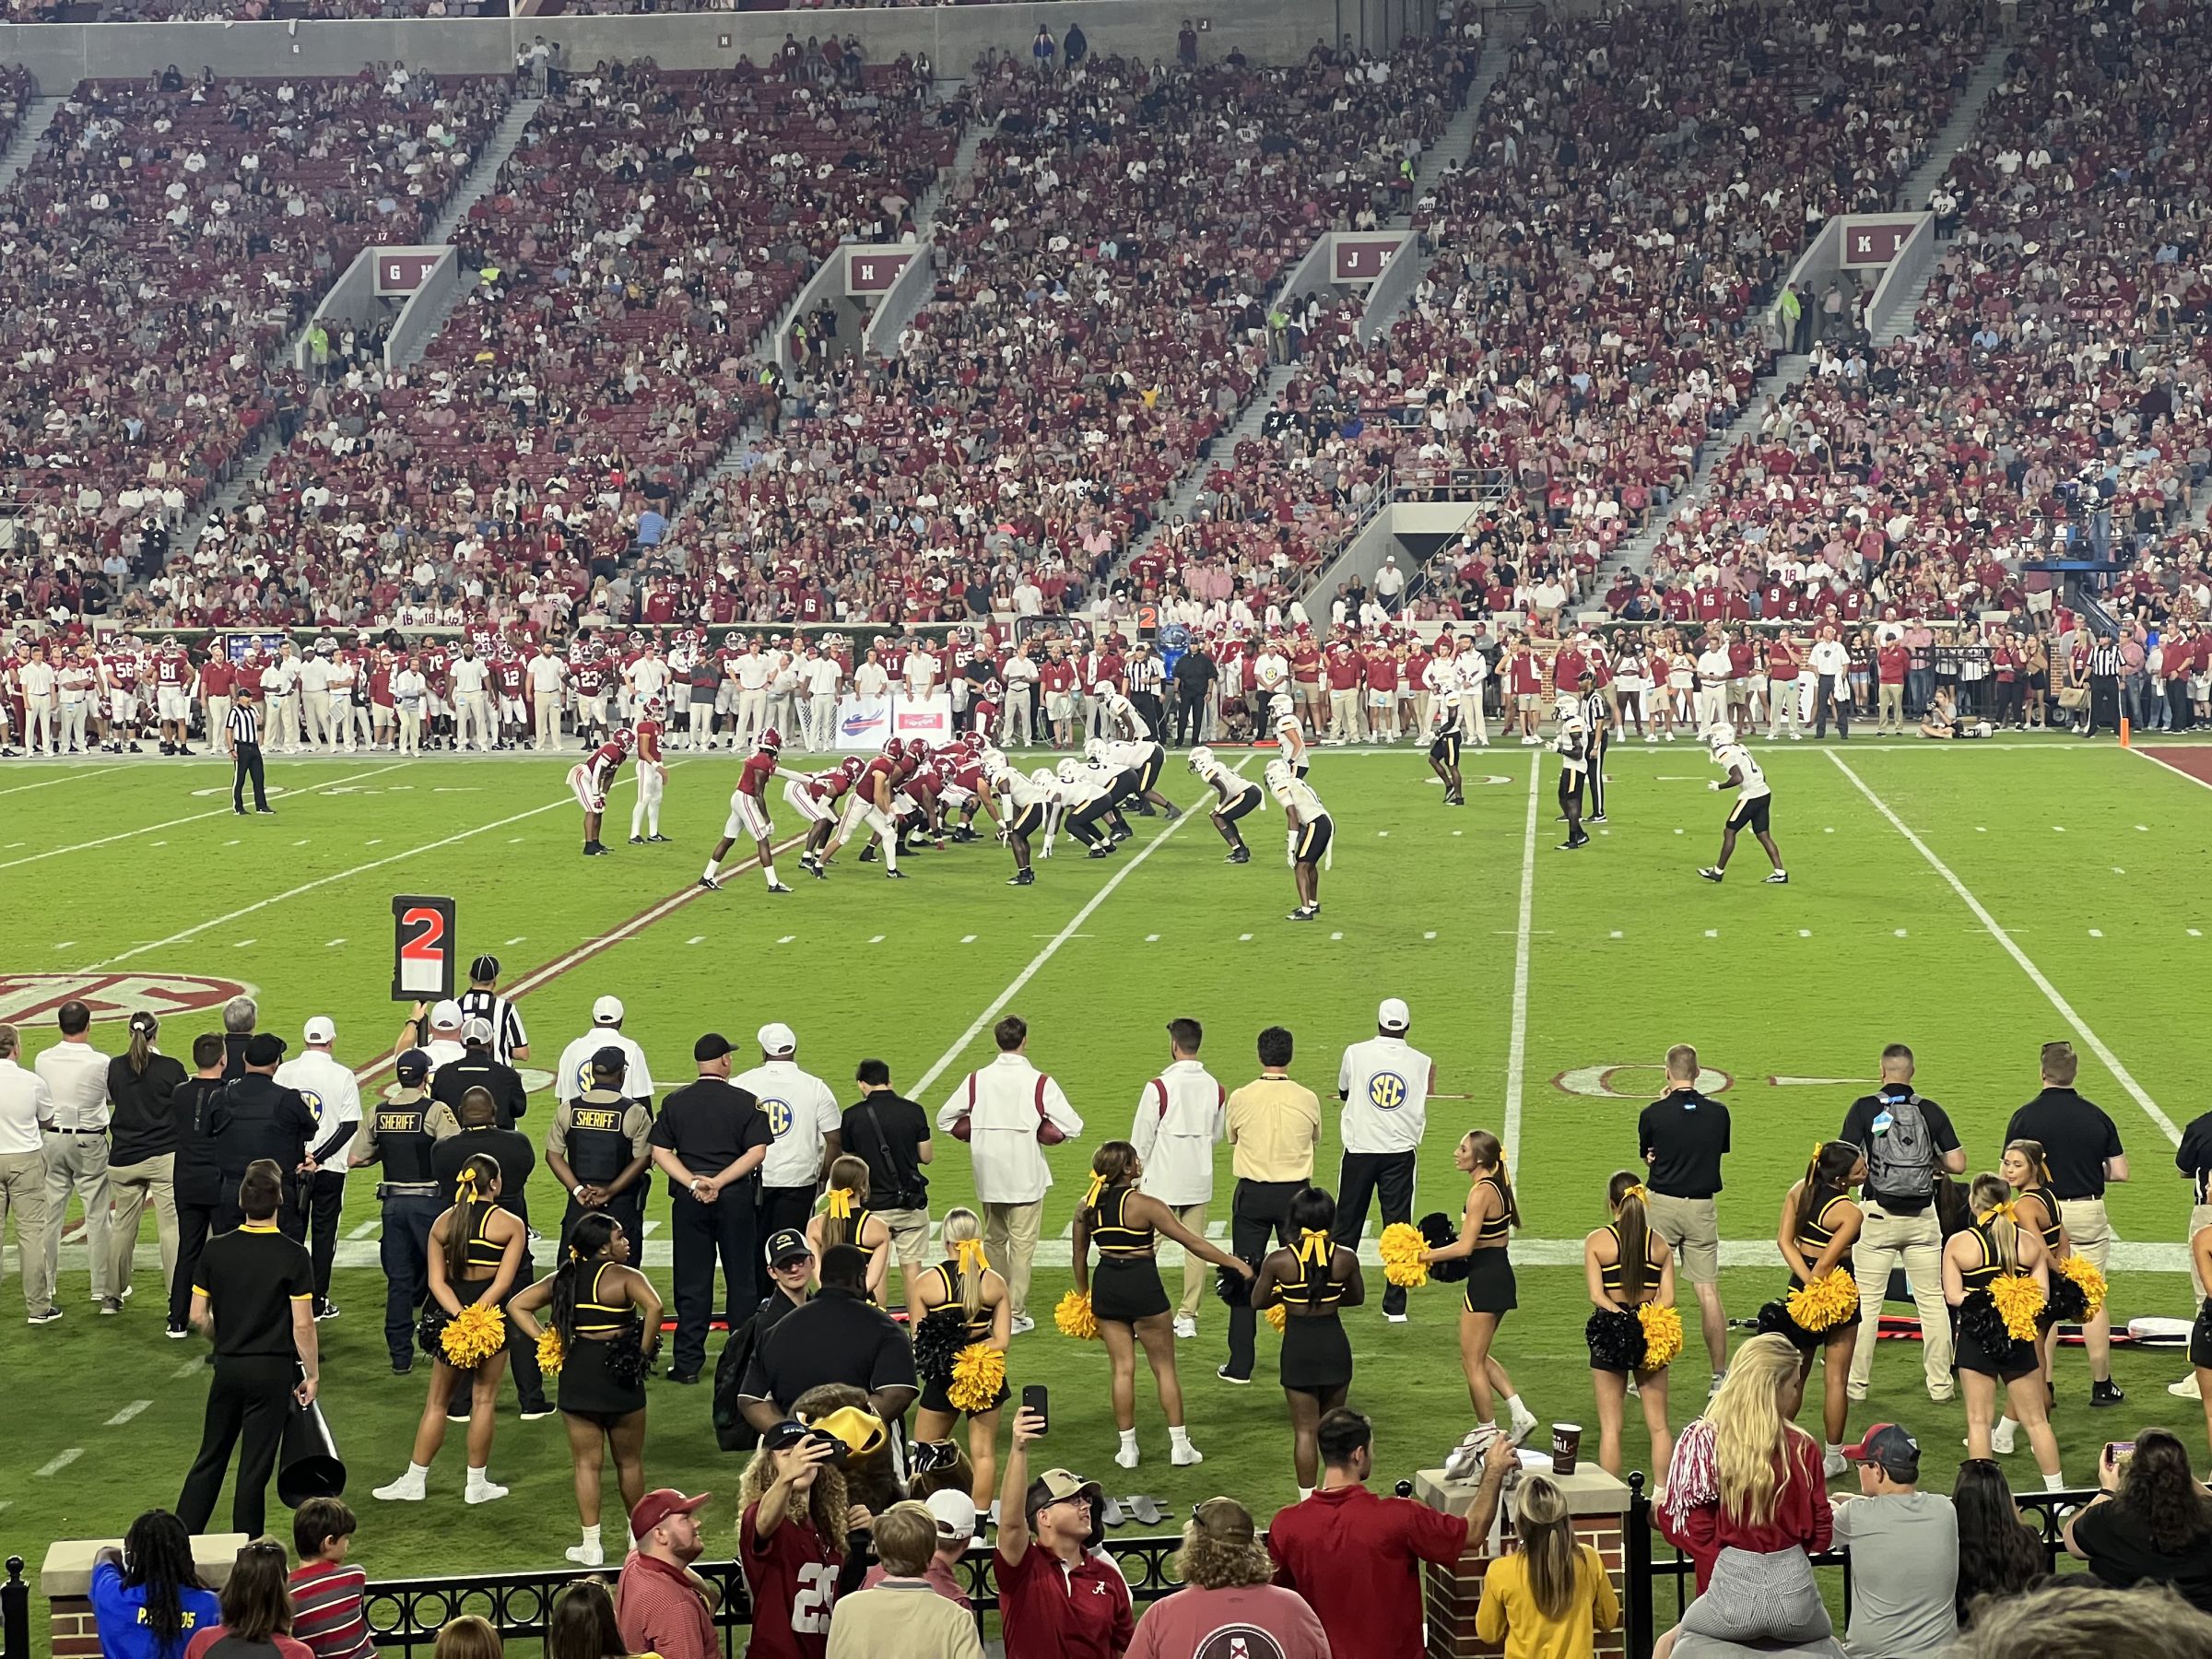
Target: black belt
x: 77, y: 1132
x: 406, y: 1189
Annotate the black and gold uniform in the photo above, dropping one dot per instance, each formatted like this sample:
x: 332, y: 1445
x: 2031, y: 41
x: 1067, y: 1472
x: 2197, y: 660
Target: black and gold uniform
x: 1610, y: 1275
x: 1125, y: 1285
x: 601, y: 1322
x: 946, y: 1277
x: 1317, y: 1355
x: 1813, y: 1237
x: 1490, y: 1285
x: 2017, y: 1359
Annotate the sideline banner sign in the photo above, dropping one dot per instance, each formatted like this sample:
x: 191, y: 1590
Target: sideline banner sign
x: 866, y: 723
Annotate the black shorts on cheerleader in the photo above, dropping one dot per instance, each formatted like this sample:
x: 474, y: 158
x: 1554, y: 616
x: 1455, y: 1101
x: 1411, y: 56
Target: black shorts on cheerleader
x: 589, y: 1389
x: 1775, y: 1318
x: 936, y: 1396
x: 1317, y: 1355
x: 2015, y: 1360
x: 1491, y: 1287
x: 2200, y: 1337
x: 1127, y: 1289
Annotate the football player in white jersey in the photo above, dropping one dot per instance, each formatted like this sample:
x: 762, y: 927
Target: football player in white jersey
x: 1290, y: 736
x: 1754, y: 803
x: 1121, y: 715
x: 1573, y: 746
x: 1238, y: 798
x: 1142, y: 760
x: 1085, y: 797
x: 1310, y: 833
x: 1443, y: 747
x: 1023, y: 804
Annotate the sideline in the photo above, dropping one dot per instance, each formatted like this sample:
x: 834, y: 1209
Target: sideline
x: 1516, y: 1051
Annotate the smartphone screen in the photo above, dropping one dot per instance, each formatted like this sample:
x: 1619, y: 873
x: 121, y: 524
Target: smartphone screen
x: 1033, y: 1399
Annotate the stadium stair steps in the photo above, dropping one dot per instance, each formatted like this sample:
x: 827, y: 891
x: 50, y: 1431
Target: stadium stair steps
x: 1183, y: 501
x: 484, y: 172
x: 37, y: 118
x: 1952, y: 138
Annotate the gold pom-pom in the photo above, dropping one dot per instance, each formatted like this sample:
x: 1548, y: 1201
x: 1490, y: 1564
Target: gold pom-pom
x: 2020, y: 1300
x: 1075, y: 1318
x: 1276, y: 1317
x: 550, y: 1355
x: 979, y: 1371
x: 2089, y: 1277
x: 1661, y: 1334
x: 1827, y: 1303
x: 474, y: 1335
x: 1401, y: 1246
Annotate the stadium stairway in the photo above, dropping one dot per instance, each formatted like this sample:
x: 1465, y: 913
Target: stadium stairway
x: 37, y: 118
x: 1955, y: 132
x: 484, y: 172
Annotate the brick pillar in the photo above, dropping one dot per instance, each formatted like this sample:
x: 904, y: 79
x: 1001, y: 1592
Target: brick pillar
x: 1450, y: 1594
x: 65, y: 1579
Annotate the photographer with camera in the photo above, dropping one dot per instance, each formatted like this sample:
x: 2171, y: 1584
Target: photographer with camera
x: 890, y: 1134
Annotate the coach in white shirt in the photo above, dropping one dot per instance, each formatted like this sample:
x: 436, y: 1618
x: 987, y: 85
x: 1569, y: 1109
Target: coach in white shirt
x: 334, y: 1095
x: 26, y: 1112
x: 314, y: 697
x: 544, y: 674
x: 804, y: 1116
x: 471, y: 677
x: 1385, y: 1084
x: 819, y: 674
x: 1715, y: 668
x: 1832, y: 685
x: 752, y: 671
x: 1181, y: 1116
x: 574, y: 1073
x: 1007, y: 1105
x: 76, y: 1075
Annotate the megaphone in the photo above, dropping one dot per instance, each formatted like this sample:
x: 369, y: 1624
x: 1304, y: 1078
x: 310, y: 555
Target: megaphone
x: 307, y: 1465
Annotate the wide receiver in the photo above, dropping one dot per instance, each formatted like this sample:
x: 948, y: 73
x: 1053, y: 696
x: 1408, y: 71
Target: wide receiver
x: 1238, y: 796
x: 652, y: 775
x: 1311, y: 831
x: 1753, y: 805
x: 748, y: 814
x: 591, y: 777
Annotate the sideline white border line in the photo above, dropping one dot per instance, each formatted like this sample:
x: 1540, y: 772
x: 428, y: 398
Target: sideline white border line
x: 70, y: 776
x: 2175, y: 772
x: 998, y: 1003
x: 1516, y: 1051
x: 2095, y: 1043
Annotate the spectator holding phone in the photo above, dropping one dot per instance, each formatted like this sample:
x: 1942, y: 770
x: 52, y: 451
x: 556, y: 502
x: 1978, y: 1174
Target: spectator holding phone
x: 792, y: 1539
x: 2151, y: 1524
x: 1057, y: 1598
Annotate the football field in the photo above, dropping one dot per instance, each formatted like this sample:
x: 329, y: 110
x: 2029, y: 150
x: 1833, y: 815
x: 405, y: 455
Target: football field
x: 1974, y: 900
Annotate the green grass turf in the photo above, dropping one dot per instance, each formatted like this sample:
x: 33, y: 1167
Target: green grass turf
x: 1627, y: 953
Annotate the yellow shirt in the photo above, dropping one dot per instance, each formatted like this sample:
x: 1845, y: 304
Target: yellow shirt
x: 1508, y: 1611
x: 1274, y: 1125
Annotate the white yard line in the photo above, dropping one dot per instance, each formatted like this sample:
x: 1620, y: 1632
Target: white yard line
x: 173, y: 823
x: 2095, y: 1043
x: 127, y: 1413
x: 69, y: 777
x: 59, y: 1463
x: 1052, y: 947
x: 1516, y: 1051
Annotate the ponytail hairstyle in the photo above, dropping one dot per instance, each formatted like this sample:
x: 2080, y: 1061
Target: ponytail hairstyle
x: 1625, y: 1196
x: 1313, y: 1217
x: 1991, y: 1197
x: 964, y: 1238
x: 1826, y: 1174
x: 848, y: 1196
x: 2038, y: 1160
x: 143, y: 1028
x: 1488, y: 1151
x: 1547, y: 1541
x: 1110, y: 1168
x: 588, y: 1242
x: 472, y: 1202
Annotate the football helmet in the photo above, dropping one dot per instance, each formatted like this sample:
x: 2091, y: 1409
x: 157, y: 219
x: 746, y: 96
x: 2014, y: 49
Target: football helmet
x: 975, y: 743
x: 1201, y: 758
x: 1069, y: 772
x: 917, y: 749
x: 655, y: 708
x: 1278, y: 774
x: 1280, y: 704
x: 1095, y: 749
x: 625, y: 739
x: 1720, y: 734
x: 893, y: 749
x: 852, y: 766
x: 771, y: 741
x: 1043, y: 774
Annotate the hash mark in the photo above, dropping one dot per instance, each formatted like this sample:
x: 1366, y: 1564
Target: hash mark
x: 127, y: 1413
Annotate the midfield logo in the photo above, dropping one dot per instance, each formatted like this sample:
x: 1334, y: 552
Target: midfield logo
x: 26, y: 996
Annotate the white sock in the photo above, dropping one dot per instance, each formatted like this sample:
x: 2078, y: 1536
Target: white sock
x: 418, y: 1473
x: 1177, y: 1435
x: 591, y: 1537
x: 1304, y: 1493
x: 1835, y: 1448
x: 1129, y: 1438
x: 2056, y: 1483
x: 1515, y: 1408
x: 770, y: 871
x: 653, y: 819
x: 2007, y: 1428
x: 710, y: 875
x: 478, y: 1477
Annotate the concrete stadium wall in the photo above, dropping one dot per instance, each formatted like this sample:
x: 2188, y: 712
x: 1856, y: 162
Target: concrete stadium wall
x: 60, y: 55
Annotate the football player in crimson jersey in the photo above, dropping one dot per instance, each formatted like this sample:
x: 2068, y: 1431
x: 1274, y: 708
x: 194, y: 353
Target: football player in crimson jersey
x: 591, y: 777
x: 870, y: 802
x: 749, y: 813
x: 815, y: 798
x: 653, y: 774
x: 962, y: 766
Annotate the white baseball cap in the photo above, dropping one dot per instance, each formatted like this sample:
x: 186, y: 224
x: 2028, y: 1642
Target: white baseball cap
x: 319, y: 1030
x: 778, y: 1038
x: 608, y: 1010
x: 446, y: 1017
x: 1393, y: 1016
x: 955, y: 1512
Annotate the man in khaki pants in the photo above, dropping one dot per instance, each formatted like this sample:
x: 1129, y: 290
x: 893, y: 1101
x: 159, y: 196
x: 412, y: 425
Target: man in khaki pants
x: 25, y: 1111
x: 1910, y: 1145
x: 999, y: 1111
x: 1180, y: 1117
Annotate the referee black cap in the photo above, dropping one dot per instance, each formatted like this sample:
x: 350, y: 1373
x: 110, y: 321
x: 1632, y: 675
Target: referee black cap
x: 484, y: 968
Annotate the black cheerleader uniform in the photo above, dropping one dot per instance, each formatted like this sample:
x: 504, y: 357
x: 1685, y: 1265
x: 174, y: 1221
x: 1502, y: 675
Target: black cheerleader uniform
x: 1125, y: 1285
x: 588, y: 1388
x: 1813, y: 1238
x: 480, y: 1264
x: 2016, y: 1359
x: 2052, y: 1234
x: 1317, y: 1355
x: 1490, y: 1285
x: 935, y: 1397
x: 1609, y: 1277
x: 2200, y: 1337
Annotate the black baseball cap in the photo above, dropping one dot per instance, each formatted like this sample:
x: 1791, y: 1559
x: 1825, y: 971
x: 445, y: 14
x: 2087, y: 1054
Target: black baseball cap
x: 610, y: 1059
x: 414, y: 1065
x: 712, y: 1046
x: 1889, y: 1449
x: 265, y: 1048
x: 787, y: 1245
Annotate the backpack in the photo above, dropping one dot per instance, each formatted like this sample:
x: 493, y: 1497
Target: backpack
x: 1901, y: 1160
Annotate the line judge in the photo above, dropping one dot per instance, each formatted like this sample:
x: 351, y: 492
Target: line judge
x: 1385, y: 1084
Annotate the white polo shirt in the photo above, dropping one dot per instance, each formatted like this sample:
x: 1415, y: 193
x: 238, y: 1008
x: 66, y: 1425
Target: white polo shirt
x: 1181, y: 1116
x: 329, y: 1087
x: 1004, y: 1102
x: 574, y: 1073
x: 24, y: 1101
x: 1385, y: 1083
x: 801, y: 1109
x: 76, y: 1075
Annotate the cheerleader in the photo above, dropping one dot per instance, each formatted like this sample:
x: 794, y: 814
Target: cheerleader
x: 1129, y: 1302
x: 1312, y: 1283
x: 2026, y: 1170
x: 1819, y: 1223
x: 1484, y: 1231
x: 2200, y: 1333
x: 1997, y: 1246
x: 1681, y: 706
x: 1627, y: 1268
x: 475, y: 1251
x: 964, y: 1281
x: 845, y: 1219
x: 607, y: 1317
x: 1632, y: 678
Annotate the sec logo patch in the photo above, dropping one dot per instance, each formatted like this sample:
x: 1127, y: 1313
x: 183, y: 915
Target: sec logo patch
x: 779, y: 1116
x: 1386, y: 1092
x: 314, y: 1103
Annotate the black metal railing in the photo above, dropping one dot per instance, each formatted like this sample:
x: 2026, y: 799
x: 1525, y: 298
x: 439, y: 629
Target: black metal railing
x: 15, y: 1613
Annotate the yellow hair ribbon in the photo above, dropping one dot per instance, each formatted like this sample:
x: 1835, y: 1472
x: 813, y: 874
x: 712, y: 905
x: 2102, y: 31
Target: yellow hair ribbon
x: 841, y: 1204
x: 465, y: 1183
x: 1502, y: 1174
x: 1314, y: 1245
x: 1633, y: 1190
x: 575, y: 1254
x: 968, y: 1253
x: 1818, y: 1148
x: 1098, y: 1186
x: 2005, y: 1209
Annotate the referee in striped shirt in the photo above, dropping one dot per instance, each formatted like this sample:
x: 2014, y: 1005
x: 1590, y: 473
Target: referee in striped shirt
x: 510, y: 1042
x: 241, y: 738
x: 2105, y: 667
x: 1599, y: 720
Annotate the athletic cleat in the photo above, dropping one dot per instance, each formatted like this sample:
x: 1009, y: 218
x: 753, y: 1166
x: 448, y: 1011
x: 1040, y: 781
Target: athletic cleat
x: 712, y: 885
x: 593, y: 850
x: 1241, y: 855
x: 637, y: 841
x: 1023, y: 878
x: 867, y: 855
x: 656, y: 836
x: 1596, y: 818
x: 777, y: 887
x: 1301, y: 915
x: 1102, y: 851
x: 817, y: 871
x: 1779, y: 878
x: 894, y: 875
x: 1711, y: 875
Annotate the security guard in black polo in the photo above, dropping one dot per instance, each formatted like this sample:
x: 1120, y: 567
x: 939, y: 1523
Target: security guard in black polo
x: 396, y: 1134
x: 258, y: 1117
x: 598, y: 1148
x: 479, y: 1070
